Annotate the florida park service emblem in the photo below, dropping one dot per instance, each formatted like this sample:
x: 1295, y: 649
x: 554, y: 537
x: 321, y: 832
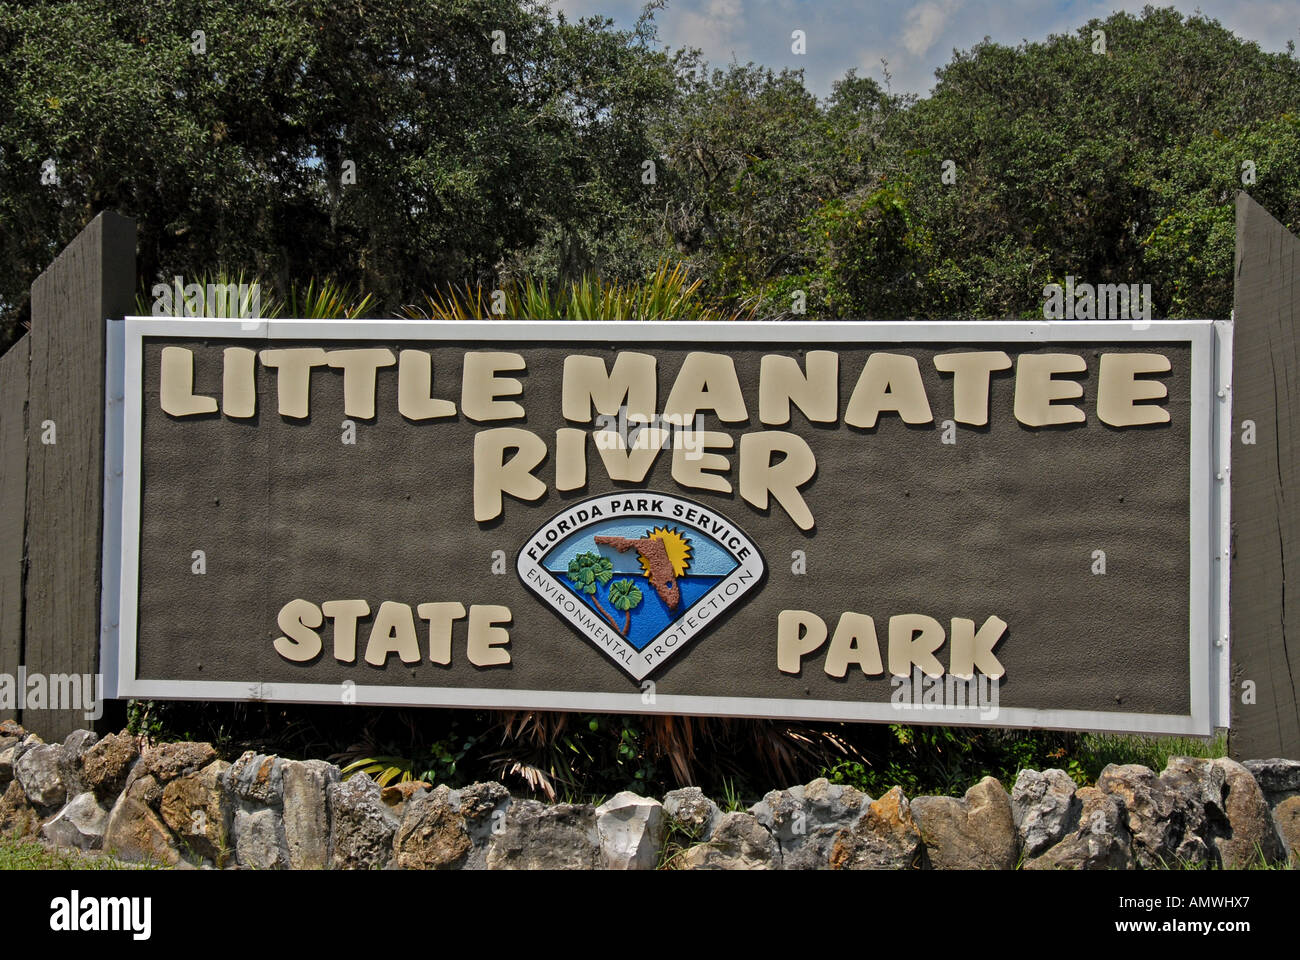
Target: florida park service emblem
x: 640, y: 574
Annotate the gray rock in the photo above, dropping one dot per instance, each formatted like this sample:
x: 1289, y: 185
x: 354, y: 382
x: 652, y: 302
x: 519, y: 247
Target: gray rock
x: 806, y: 819
x: 433, y: 833
x: 40, y: 772
x: 1045, y: 809
x: 1098, y: 839
x: 198, y: 810
x: 1156, y: 814
x: 305, y: 790
x: 1251, y: 835
x: 483, y: 806
x: 885, y: 838
x: 145, y: 789
x: 362, y: 826
x: 535, y: 836
x: 259, y: 838
x: 107, y: 764
x: 81, y: 823
x: 167, y: 761
x: 1278, y: 778
x: 738, y: 842
x: 691, y: 813
x: 75, y: 747
x: 79, y: 741
x: 631, y: 831
x: 977, y: 832
x: 256, y: 778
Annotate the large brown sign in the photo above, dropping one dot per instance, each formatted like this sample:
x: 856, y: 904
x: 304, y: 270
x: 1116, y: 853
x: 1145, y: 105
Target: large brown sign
x: 1012, y: 524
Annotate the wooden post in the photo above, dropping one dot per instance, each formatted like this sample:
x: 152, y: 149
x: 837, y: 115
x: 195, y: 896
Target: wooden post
x: 92, y: 280
x: 13, y: 500
x: 1265, y: 481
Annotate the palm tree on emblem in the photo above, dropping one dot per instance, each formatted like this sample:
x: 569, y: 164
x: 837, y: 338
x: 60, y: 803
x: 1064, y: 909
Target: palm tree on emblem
x: 589, y: 570
x: 625, y: 596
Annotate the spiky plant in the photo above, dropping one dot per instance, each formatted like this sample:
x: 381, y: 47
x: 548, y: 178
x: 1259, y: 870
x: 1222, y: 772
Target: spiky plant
x: 326, y: 300
x: 251, y: 297
x: 667, y: 294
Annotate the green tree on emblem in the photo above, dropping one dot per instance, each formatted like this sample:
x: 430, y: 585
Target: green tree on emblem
x: 589, y: 570
x: 625, y: 596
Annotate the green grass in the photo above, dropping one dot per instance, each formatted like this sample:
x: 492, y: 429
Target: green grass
x: 20, y: 853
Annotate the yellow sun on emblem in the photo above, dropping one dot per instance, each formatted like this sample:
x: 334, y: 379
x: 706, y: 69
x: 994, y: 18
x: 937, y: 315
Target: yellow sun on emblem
x: 676, y: 546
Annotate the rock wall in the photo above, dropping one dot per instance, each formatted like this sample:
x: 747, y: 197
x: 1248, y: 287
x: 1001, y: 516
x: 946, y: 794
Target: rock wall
x: 179, y: 804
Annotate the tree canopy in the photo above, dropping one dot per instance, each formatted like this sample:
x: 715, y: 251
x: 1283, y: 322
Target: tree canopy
x: 399, y: 146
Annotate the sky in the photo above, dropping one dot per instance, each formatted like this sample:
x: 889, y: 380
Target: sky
x: 914, y: 37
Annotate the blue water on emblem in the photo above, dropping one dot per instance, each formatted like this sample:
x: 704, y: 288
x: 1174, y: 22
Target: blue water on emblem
x: 651, y: 616
x: 699, y: 563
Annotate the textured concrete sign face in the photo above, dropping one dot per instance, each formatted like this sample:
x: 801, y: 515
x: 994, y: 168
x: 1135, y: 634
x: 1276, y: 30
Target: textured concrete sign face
x: 1004, y: 524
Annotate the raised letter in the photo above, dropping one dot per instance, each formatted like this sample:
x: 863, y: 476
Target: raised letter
x: 480, y: 386
x: 759, y: 476
x: 301, y: 642
x: 1035, y: 389
x: 1118, y: 389
x: 816, y: 392
x: 588, y: 385
x: 176, y: 393
x: 970, y: 382
x: 889, y: 382
x: 798, y: 633
x: 494, y: 475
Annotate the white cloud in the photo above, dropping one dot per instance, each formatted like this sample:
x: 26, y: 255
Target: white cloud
x: 925, y: 22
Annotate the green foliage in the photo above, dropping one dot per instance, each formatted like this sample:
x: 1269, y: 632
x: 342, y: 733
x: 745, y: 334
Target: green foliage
x: 587, y: 570
x: 17, y: 853
x: 947, y: 761
x: 246, y: 153
x: 667, y: 294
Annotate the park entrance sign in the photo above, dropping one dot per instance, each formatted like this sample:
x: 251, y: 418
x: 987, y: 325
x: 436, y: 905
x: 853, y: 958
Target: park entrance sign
x: 1015, y: 524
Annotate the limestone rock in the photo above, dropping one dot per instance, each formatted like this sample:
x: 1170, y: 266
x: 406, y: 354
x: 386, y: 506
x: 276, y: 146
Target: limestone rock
x: 1286, y: 817
x: 1095, y: 839
x: 1278, y: 778
x: 198, y: 810
x: 259, y: 842
x: 691, y: 812
x: 16, y: 814
x: 396, y: 795
x: 1154, y: 814
x: 167, y: 761
x: 1251, y: 834
x: 885, y: 838
x: 105, y: 766
x: 806, y: 819
x: 433, y: 834
x: 977, y: 832
x: 1045, y: 809
x: 145, y: 789
x: 738, y: 842
x: 40, y: 771
x: 305, y: 789
x: 362, y: 825
x: 81, y: 823
x: 535, y: 836
x: 7, y: 763
x: 483, y: 806
x: 631, y: 831
x: 136, y: 833
x: 256, y: 778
